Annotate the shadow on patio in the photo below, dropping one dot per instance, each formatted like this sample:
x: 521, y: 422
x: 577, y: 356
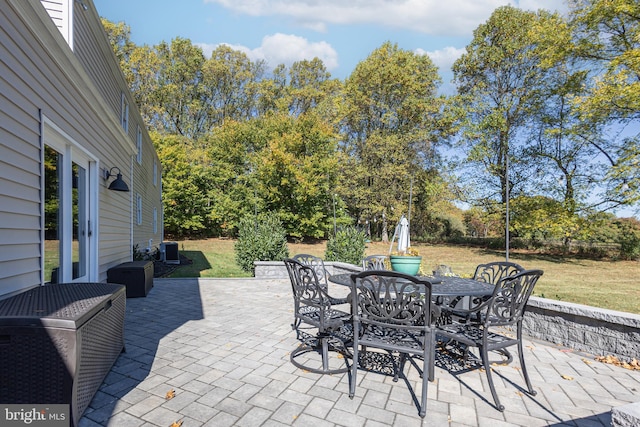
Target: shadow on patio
x: 148, y: 321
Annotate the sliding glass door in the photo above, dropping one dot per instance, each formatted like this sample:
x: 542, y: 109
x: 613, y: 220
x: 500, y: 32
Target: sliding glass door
x: 67, y: 215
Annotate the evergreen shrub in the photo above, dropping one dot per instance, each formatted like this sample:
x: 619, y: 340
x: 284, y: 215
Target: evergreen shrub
x: 347, y: 245
x: 260, y: 239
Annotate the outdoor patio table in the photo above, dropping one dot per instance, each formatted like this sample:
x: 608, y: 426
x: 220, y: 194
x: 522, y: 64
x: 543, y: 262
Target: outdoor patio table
x: 443, y: 289
x: 446, y: 291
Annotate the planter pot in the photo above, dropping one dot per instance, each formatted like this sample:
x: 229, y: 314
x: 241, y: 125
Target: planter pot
x: 405, y: 264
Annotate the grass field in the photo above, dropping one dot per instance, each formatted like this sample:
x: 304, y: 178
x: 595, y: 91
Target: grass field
x: 607, y: 284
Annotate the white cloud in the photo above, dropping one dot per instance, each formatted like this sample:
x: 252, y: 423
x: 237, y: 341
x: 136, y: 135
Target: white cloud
x: 437, y: 17
x: 443, y: 58
x: 285, y: 49
x: 442, y: 17
x: 552, y: 5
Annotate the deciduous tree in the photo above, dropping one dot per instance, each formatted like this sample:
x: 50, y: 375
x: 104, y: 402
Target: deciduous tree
x: 607, y: 35
x: 230, y: 86
x: 184, y: 181
x: 295, y: 171
x: 392, y: 120
x: 497, y: 77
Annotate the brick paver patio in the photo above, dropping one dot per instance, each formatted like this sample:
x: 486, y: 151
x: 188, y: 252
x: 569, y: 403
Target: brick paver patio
x: 223, y: 346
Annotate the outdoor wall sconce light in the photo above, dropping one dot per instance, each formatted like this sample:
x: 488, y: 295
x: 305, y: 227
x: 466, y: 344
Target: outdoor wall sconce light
x: 82, y: 4
x: 118, y: 184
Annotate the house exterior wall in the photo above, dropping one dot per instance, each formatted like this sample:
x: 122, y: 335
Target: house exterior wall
x: 94, y: 52
x: 148, y: 234
x: 46, y: 88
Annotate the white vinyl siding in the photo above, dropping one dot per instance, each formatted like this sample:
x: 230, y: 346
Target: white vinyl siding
x: 146, y: 180
x: 140, y: 176
x: 138, y: 209
x: 42, y: 76
x: 124, y: 112
x: 139, y: 145
x: 83, y: 92
x: 155, y: 220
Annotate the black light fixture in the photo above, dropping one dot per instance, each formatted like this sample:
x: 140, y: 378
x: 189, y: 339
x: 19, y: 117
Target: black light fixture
x: 118, y: 184
x: 83, y: 5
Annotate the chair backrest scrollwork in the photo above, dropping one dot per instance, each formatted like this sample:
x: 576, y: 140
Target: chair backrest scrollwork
x: 493, y: 272
x: 317, y: 264
x: 508, y: 302
x: 374, y: 262
x: 391, y: 299
x: 305, y: 284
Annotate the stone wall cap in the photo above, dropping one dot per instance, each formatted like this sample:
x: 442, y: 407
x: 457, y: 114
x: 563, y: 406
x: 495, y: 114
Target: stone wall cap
x: 611, y: 316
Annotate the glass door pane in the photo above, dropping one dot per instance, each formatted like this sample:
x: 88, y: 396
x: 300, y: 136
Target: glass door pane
x: 52, y: 215
x: 80, y: 222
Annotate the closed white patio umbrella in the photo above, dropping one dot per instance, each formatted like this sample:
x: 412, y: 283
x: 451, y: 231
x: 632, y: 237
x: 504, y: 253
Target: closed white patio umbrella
x: 403, y: 235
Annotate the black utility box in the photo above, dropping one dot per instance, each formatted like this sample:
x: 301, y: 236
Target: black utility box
x: 58, y: 342
x: 137, y: 276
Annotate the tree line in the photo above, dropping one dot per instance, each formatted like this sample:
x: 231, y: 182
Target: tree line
x: 545, y: 118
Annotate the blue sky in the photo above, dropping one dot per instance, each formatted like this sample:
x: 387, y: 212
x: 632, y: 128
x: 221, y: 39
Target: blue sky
x: 340, y: 32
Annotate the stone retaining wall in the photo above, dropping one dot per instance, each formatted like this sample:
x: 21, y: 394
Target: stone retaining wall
x: 593, y: 330
x: 277, y: 270
x: 584, y: 328
x: 626, y: 415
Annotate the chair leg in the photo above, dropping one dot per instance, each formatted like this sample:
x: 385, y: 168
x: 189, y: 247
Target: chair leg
x: 400, y: 367
x: 532, y: 392
x: 425, y: 384
x: 487, y: 367
x: 432, y: 356
x: 354, y: 370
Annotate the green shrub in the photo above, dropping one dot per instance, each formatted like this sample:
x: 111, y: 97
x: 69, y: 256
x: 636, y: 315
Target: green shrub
x: 261, y: 239
x: 347, y: 245
x: 629, y: 245
x: 592, y: 251
x: 496, y: 243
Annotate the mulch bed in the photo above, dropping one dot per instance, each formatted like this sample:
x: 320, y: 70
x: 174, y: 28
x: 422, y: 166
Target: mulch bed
x: 162, y: 269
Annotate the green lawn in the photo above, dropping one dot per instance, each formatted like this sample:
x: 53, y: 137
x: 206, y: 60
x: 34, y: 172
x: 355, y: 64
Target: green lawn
x: 607, y: 284
x: 211, y: 258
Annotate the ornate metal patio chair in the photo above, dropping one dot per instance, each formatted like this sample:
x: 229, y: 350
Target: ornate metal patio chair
x: 374, y: 262
x: 317, y: 264
x: 504, y: 309
x: 490, y: 272
x: 313, y: 308
x: 393, y: 312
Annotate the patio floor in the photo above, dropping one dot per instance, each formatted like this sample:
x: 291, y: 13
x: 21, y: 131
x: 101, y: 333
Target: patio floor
x: 223, y: 346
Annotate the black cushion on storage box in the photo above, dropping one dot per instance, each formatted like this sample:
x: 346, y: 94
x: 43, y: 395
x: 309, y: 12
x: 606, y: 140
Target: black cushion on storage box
x: 137, y: 276
x: 58, y: 342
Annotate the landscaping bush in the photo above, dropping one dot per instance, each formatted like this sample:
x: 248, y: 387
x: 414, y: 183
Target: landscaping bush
x: 347, y: 245
x: 592, y: 251
x: 260, y: 239
x: 630, y: 245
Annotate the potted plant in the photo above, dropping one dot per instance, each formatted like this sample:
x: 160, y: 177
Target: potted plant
x: 407, y: 262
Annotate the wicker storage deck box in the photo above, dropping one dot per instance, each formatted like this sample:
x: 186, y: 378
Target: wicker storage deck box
x: 137, y: 276
x: 58, y: 342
